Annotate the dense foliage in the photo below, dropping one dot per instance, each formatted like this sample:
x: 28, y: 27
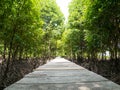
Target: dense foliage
x: 29, y: 29
x: 98, y: 25
x: 52, y: 22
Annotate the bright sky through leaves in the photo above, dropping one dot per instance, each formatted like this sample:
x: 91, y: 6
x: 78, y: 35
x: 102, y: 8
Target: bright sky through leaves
x: 64, y: 7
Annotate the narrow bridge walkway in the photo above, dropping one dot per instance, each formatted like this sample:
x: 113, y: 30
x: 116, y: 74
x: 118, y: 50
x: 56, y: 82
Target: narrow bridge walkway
x: 61, y: 74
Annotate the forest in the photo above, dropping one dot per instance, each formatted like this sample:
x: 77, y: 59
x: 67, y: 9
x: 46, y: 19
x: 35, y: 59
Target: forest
x: 34, y: 31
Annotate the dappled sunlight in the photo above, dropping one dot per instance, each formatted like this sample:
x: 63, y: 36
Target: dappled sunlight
x: 97, y: 85
x: 83, y: 88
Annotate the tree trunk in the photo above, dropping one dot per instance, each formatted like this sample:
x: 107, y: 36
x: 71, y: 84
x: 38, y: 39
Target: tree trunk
x: 4, y: 53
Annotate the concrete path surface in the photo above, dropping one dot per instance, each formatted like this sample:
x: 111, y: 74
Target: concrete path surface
x: 61, y: 74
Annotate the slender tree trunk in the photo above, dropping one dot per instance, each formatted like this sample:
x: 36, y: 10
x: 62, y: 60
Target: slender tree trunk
x: 14, y: 55
x: 4, y: 53
x: 20, y: 53
x: 115, y: 50
x: 9, y: 57
x: 102, y: 55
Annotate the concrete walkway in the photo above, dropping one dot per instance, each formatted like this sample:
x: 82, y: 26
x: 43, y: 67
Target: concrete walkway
x: 61, y: 74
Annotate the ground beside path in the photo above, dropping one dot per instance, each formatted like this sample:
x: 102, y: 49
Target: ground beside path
x: 61, y: 74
